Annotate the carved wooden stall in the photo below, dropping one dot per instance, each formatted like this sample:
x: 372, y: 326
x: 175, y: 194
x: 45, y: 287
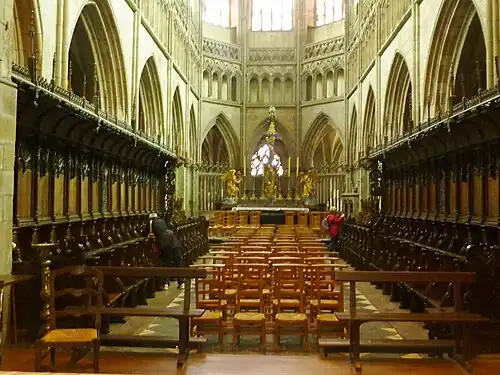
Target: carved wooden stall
x: 85, y: 183
x: 441, y: 212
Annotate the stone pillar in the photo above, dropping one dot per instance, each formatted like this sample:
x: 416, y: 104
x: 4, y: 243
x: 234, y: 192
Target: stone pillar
x: 8, y: 103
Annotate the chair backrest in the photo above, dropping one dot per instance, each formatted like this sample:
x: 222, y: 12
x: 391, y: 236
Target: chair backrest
x: 75, y: 292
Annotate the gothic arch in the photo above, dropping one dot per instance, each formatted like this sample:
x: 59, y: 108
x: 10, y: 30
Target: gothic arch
x: 95, y: 53
x: 178, y: 123
x: 27, y: 21
x: 221, y: 130
x: 151, y: 118
x: 322, y: 144
x: 450, y: 32
x: 193, y: 127
x: 368, y: 140
x: 397, y: 111
x: 255, y: 139
x: 353, y: 135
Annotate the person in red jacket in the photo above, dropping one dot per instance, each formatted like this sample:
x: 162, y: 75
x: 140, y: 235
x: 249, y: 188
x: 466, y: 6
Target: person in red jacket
x: 334, y: 222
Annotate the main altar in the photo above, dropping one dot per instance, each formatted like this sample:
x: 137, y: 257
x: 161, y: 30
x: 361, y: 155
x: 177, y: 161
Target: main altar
x: 267, y: 194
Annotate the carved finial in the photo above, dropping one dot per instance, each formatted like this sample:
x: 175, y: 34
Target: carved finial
x: 84, y: 89
x: 478, y: 77
x: 53, y: 81
x: 70, y: 74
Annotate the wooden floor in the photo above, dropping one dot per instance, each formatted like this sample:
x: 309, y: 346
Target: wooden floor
x: 258, y: 364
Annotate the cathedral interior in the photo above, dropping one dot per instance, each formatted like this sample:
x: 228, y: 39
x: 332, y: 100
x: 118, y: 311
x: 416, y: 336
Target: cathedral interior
x: 329, y: 168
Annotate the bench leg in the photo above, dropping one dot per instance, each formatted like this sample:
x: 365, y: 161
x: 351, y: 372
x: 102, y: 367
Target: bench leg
x: 183, y: 341
x: 462, y: 358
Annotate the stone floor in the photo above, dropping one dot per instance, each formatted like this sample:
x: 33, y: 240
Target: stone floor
x: 368, y: 298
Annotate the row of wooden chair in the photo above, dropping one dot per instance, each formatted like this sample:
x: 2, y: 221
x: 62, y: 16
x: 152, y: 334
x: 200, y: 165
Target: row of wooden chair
x: 266, y: 279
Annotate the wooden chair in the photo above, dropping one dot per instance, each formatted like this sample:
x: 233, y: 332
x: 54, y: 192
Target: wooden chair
x: 80, y: 296
x: 250, y: 296
x: 327, y: 294
x: 288, y: 293
x: 211, y: 296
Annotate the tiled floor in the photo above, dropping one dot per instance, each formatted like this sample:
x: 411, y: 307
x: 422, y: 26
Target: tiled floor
x: 368, y: 298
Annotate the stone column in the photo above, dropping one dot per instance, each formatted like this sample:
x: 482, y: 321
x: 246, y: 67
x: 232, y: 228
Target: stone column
x: 8, y: 103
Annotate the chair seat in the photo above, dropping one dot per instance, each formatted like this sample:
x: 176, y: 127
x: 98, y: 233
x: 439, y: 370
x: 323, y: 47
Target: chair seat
x: 212, y: 303
x: 210, y: 315
x: 76, y: 335
x: 291, y: 317
x: 330, y: 318
x: 325, y: 302
x: 230, y: 292
x: 249, y: 317
x: 287, y: 302
x: 249, y: 302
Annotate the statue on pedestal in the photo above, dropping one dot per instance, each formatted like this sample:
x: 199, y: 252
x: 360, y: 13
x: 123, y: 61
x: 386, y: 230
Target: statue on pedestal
x: 269, y: 188
x: 232, y: 180
x: 308, y: 180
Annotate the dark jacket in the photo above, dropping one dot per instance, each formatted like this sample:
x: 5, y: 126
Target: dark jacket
x: 167, y: 242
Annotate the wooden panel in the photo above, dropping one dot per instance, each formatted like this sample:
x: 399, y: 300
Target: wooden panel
x: 452, y: 196
x: 492, y: 186
x: 96, y: 197
x: 417, y: 203
x: 477, y: 201
x: 130, y: 198
x: 114, y: 197
x: 43, y: 198
x: 432, y: 198
x: 424, y: 199
x: 84, y: 197
x: 73, y: 197
x: 137, y: 201
x: 464, y: 198
x: 123, y: 197
x: 59, y: 196
x: 24, y: 195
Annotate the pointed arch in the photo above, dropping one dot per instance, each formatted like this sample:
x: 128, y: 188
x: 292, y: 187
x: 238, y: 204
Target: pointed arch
x: 194, y: 139
x: 322, y: 144
x: 178, y: 123
x: 151, y: 117
x: 221, y: 130
x: 449, y: 35
x: 397, y: 111
x: 284, y: 137
x: 353, y: 137
x: 95, y: 54
x: 369, y: 123
x: 27, y: 20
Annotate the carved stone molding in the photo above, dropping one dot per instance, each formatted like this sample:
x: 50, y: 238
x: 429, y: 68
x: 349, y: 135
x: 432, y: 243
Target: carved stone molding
x: 271, y: 55
x: 323, y: 66
x: 221, y: 50
x: 213, y: 65
x: 325, y: 48
x: 273, y: 70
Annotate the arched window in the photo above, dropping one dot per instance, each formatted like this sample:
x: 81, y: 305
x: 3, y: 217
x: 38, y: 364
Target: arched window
x: 217, y: 12
x: 328, y: 11
x: 275, y: 15
x: 261, y: 157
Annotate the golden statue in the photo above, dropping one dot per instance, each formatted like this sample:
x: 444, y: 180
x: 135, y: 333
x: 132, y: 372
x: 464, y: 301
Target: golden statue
x: 269, y: 181
x: 308, y: 179
x: 232, y: 179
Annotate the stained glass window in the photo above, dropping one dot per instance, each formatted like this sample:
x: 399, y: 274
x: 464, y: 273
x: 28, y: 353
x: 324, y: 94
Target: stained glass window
x: 217, y: 12
x: 328, y: 11
x: 275, y: 15
x: 262, y: 157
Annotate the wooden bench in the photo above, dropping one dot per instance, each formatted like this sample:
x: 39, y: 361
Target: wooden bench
x: 183, y: 315
x: 458, y: 318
